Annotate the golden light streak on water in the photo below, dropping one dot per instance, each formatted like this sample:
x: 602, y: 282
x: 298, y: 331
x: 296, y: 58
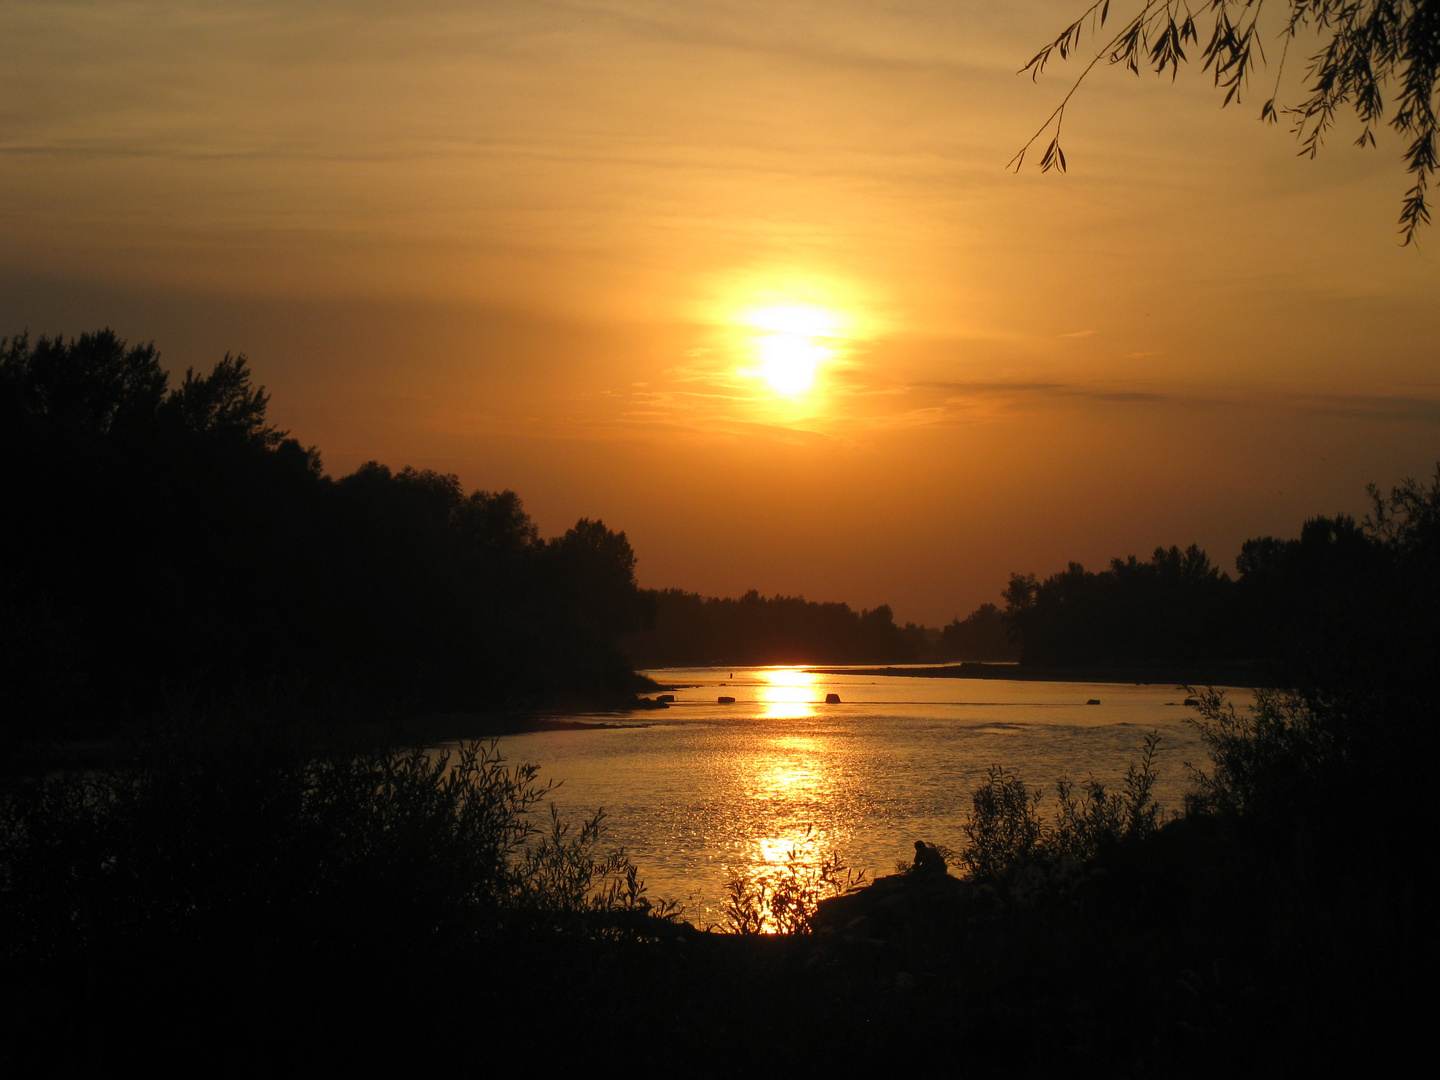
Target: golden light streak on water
x: 788, y: 693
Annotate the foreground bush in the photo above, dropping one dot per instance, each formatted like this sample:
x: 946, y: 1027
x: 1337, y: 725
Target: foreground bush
x: 782, y: 899
x: 243, y: 842
x: 219, y: 892
x: 1005, y: 831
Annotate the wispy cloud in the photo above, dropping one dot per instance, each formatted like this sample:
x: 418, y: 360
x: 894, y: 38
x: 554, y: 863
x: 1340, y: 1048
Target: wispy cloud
x: 1399, y: 406
x: 696, y: 402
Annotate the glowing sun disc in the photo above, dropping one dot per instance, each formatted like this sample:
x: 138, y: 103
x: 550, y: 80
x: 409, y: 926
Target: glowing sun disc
x: 789, y: 362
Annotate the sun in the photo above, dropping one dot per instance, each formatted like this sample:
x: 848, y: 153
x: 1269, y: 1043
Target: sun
x: 789, y: 362
x: 790, y: 344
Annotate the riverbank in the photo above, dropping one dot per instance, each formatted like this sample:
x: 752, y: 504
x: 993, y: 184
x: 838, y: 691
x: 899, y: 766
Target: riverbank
x: 38, y: 756
x: 467, y: 726
x: 1234, y: 675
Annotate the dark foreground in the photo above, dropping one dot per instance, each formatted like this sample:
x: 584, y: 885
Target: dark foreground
x: 1166, y: 966
x: 239, y: 910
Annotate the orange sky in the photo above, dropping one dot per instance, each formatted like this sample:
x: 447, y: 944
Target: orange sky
x: 525, y: 241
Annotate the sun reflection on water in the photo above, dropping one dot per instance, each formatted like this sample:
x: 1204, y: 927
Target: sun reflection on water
x: 799, y: 861
x: 791, y: 785
x: 787, y: 693
x: 795, y: 774
x: 773, y: 852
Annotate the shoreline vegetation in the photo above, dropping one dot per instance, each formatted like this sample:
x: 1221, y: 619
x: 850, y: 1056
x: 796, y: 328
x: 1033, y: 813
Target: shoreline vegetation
x: 1138, y: 676
x: 267, y: 872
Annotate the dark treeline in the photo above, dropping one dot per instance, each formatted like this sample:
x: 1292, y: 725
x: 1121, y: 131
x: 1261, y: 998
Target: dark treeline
x: 163, y: 539
x: 983, y: 635
x: 692, y: 629
x: 1291, y: 601
x: 1171, y: 609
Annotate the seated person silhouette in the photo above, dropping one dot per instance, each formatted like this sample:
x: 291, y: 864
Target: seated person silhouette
x: 929, y: 863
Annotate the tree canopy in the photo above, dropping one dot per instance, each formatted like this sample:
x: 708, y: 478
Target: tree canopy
x: 1373, y: 56
x: 1168, y: 610
x: 163, y: 541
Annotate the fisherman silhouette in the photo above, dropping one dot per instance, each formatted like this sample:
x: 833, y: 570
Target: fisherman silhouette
x: 928, y: 861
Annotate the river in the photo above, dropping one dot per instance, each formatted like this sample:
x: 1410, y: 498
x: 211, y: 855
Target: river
x: 702, y: 791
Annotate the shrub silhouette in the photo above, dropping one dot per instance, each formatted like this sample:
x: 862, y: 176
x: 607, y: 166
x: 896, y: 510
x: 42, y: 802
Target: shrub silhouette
x: 781, y: 900
x: 1006, y: 832
x: 233, y: 845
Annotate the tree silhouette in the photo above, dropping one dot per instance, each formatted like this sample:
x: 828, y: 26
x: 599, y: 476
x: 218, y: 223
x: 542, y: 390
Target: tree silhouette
x: 981, y: 635
x: 224, y: 401
x: 753, y: 629
x: 93, y: 383
x: 1373, y: 54
x: 161, y: 542
x: 1170, y: 609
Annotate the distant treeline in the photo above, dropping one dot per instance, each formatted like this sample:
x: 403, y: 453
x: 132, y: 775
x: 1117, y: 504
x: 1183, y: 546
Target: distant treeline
x: 1292, y: 600
x: 982, y: 635
x: 692, y: 629
x: 160, y: 540
x: 697, y: 630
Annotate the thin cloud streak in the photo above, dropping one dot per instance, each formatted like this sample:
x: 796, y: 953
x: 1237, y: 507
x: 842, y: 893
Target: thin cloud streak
x: 860, y: 406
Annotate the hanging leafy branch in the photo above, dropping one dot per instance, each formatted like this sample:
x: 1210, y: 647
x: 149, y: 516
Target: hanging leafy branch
x: 1374, y: 54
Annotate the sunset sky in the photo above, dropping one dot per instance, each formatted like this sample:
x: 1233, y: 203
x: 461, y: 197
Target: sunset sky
x: 749, y: 281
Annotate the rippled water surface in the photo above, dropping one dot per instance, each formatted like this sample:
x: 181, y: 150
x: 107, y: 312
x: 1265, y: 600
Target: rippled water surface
x: 701, y: 791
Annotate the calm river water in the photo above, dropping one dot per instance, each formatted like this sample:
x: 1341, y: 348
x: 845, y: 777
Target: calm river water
x: 702, y: 791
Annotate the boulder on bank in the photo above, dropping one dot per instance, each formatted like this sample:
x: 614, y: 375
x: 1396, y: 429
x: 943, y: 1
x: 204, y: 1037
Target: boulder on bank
x: 889, y: 904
